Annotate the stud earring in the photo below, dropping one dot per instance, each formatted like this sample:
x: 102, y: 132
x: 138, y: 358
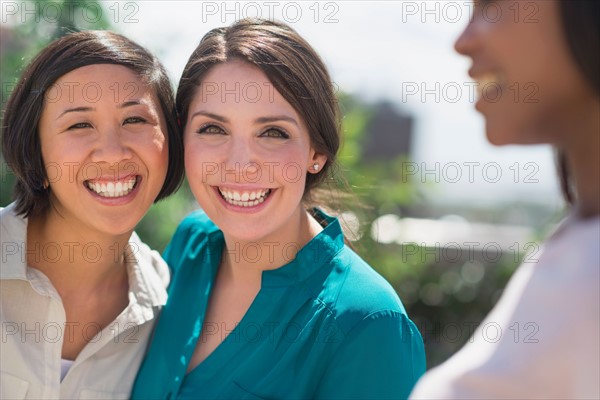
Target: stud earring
x: 316, y: 167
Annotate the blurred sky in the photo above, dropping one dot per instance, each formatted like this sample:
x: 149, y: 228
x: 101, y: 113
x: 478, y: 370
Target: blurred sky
x: 376, y: 50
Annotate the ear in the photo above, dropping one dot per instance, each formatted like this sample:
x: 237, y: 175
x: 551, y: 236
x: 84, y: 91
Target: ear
x: 316, y: 162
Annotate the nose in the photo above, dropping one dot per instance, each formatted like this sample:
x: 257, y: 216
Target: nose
x: 111, y: 147
x: 243, y: 159
x: 466, y: 42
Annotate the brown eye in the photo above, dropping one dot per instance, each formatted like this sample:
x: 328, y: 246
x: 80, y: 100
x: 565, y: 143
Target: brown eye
x: 80, y: 125
x: 134, y: 120
x: 275, y: 133
x: 211, y: 130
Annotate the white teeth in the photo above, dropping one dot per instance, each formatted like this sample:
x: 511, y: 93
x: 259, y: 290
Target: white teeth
x: 490, y: 80
x: 244, y: 199
x: 113, y: 189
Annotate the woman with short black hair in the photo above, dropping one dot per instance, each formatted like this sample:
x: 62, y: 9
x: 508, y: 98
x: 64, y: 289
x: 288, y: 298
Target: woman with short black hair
x: 91, y: 135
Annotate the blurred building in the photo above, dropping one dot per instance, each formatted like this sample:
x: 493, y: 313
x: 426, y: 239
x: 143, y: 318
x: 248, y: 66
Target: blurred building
x: 388, y: 134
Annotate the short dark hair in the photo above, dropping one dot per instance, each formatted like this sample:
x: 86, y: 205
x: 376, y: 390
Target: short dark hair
x: 581, y: 26
x: 292, y: 66
x: 20, y: 135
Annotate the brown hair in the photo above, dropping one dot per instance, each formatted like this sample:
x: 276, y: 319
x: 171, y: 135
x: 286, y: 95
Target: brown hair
x: 20, y: 138
x: 292, y: 66
x: 581, y: 25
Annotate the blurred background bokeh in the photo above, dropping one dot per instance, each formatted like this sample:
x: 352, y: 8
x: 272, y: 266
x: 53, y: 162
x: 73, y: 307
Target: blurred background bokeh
x: 447, y: 244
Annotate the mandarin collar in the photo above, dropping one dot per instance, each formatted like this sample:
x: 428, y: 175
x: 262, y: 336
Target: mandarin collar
x: 319, y: 251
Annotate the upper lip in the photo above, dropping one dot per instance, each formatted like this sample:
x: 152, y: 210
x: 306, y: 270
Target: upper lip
x: 478, y: 70
x: 474, y: 73
x: 240, y: 188
x: 112, y: 178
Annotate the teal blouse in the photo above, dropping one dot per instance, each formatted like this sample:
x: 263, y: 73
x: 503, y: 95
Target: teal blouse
x: 325, y: 325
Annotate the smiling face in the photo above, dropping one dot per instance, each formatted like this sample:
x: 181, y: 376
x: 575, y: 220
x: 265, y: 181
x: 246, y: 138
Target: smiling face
x: 247, y: 153
x: 104, y: 145
x: 532, y: 89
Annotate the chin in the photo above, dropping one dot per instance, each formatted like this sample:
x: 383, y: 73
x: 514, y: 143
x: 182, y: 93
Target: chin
x: 497, y: 136
x: 117, y: 228
x: 511, y: 135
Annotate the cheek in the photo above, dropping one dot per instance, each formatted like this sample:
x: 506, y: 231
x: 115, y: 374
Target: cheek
x: 62, y: 153
x: 160, y: 143
x: 292, y: 163
x: 292, y: 153
x: 200, y: 164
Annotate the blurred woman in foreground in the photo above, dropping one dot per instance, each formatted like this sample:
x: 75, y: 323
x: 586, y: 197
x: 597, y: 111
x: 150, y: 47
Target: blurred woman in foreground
x: 551, y: 57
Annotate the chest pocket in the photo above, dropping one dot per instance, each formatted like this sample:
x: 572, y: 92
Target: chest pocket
x: 12, y: 387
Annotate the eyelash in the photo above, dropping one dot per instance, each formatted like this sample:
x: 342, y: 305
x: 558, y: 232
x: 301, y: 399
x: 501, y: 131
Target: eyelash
x: 80, y: 125
x: 283, y: 134
x: 204, y: 130
x: 138, y: 120
x: 83, y: 125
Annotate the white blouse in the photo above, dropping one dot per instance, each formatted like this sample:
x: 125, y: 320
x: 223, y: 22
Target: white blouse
x: 546, y: 337
x: 33, y: 319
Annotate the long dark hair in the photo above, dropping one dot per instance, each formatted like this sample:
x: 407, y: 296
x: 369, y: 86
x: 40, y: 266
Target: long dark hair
x: 581, y: 24
x: 293, y: 67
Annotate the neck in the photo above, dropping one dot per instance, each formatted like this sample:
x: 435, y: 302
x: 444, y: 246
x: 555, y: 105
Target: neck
x: 583, y: 162
x: 247, y: 259
x: 75, y: 258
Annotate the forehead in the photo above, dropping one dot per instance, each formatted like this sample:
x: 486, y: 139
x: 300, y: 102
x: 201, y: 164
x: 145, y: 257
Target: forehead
x: 96, y: 84
x: 237, y: 83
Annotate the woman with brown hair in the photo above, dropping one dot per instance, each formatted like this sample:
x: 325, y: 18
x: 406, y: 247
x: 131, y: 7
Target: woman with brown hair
x: 266, y: 300
x: 546, y: 327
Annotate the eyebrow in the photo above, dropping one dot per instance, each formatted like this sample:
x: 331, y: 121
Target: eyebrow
x: 130, y: 103
x: 260, y: 120
x: 209, y: 115
x: 76, y: 109
x: 275, y: 118
x: 84, y: 109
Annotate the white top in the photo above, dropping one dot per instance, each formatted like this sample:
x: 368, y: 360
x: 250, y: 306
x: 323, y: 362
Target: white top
x: 542, y: 339
x: 33, y: 319
x: 65, y: 365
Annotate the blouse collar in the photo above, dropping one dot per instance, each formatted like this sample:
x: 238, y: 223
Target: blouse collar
x: 318, y: 252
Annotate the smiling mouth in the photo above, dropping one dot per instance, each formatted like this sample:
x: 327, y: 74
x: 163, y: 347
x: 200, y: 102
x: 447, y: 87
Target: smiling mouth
x: 490, y: 78
x: 246, y: 198
x: 118, y: 188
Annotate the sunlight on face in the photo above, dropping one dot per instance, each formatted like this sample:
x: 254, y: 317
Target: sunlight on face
x: 247, y: 152
x: 104, y: 143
